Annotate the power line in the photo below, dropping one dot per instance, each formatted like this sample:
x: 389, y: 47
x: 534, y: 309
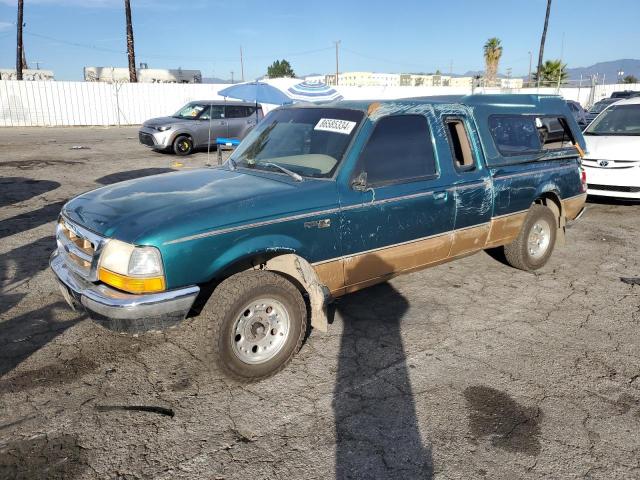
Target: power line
x: 177, y: 57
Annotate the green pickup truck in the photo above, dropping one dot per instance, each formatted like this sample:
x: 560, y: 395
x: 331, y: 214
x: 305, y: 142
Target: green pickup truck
x: 318, y: 202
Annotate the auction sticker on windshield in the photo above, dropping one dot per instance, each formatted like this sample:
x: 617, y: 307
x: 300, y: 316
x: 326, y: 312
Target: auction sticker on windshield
x: 334, y: 125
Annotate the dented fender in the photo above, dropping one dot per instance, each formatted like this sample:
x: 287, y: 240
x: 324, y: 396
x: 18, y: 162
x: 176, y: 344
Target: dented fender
x: 297, y: 267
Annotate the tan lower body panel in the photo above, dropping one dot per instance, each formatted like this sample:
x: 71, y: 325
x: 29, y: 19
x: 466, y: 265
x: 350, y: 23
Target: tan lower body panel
x: 387, y: 261
x: 331, y: 274
x: 469, y: 240
x: 572, y: 206
x: 346, y: 275
x: 505, y: 229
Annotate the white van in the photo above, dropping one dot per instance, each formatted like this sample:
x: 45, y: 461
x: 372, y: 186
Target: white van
x: 612, y: 161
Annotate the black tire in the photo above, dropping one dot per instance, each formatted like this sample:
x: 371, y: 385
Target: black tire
x: 518, y: 252
x: 221, y: 316
x: 183, y: 145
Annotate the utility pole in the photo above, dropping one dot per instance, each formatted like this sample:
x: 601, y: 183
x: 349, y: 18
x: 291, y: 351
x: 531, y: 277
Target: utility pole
x: 133, y: 76
x: 530, y: 62
x: 231, y: 76
x: 20, y: 47
x: 337, y: 42
x: 241, y: 65
x: 543, y: 40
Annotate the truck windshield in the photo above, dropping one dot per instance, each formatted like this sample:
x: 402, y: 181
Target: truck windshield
x: 308, y: 141
x: 617, y: 120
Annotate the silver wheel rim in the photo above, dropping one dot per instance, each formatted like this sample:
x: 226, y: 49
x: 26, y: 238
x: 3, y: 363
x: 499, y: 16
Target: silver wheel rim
x: 260, y: 331
x: 539, y: 239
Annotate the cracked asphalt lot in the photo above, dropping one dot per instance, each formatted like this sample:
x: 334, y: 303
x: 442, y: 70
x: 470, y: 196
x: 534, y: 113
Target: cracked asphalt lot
x: 468, y: 370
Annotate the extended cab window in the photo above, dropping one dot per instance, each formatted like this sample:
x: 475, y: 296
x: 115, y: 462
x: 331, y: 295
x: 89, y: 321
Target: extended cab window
x: 398, y: 150
x: 461, y: 149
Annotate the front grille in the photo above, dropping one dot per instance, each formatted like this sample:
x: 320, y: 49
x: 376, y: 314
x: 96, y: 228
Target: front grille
x: 146, y: 139
x: 613, y: 188
x: 79, y: 248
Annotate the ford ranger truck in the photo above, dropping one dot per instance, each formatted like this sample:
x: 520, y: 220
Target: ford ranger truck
x: 315, y: 203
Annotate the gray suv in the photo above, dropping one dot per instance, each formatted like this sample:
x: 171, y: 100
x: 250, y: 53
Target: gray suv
x: 198, y: 123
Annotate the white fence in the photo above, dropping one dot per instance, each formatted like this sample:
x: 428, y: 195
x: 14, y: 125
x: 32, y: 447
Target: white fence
x: 50, y: 103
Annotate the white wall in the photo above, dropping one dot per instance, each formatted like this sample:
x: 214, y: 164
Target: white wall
x: 46, y: 103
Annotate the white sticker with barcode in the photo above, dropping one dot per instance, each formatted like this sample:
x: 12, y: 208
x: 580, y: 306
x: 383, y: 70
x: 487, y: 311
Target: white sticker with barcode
x: 334, y: 125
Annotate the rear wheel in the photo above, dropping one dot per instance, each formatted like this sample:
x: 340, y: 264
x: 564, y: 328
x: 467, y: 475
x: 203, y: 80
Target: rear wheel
x: 183, y: 145
x: 254, y: 324
x: 535, y: 242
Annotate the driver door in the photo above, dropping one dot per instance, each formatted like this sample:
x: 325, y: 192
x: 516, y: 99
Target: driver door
x: 401, y: 217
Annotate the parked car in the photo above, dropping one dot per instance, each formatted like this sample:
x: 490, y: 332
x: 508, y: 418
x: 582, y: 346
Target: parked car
x: 625, y: 94
x: 198, y: 124
x: 318, y: 202
x: 612, y: 162
x: 598, y: 107
x: 579, y: 113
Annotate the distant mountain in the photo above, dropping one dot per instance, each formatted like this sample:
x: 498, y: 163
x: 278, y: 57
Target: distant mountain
x: 607, y: 69
x: 215, y: 80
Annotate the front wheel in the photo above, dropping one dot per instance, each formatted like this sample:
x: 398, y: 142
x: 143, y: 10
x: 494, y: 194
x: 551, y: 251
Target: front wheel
x: 254, y: 324
x: 535, y: 242
x: 183, y: 145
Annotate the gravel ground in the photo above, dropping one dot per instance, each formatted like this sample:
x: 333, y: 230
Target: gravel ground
x: 468, y: 370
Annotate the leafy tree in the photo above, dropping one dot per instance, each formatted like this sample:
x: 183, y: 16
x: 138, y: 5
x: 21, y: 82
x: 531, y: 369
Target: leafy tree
x: 552, y: 71
x: 492, y: 53
x: 630, y: 79
x: 279, y: 69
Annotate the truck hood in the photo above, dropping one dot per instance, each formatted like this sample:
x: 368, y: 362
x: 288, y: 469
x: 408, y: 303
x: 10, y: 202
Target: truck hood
x: 161, y: 208
x: 614, y: 147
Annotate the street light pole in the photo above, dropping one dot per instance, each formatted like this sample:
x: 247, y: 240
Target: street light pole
x: 337, y: 42
x: 20, y: 46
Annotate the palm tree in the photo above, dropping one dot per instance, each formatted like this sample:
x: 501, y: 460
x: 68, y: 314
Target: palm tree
x: 552, y: 73
x: 20, y: 58
x: 543, y: 39
x: 492, y: 54
x: 133, y: 77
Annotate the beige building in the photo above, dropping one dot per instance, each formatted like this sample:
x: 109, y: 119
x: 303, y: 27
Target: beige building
x: 462, y: 82
x: 364, y: 79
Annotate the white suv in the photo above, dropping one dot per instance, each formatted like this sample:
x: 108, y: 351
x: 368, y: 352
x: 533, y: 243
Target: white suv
x: 612, y: 162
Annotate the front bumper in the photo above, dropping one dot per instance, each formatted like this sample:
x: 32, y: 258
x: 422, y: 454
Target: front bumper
x: 153, y: 138
x: 120, y: 311
x: 613, y: 182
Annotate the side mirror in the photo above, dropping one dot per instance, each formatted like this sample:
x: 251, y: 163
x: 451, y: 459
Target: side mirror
x: 359, y: 183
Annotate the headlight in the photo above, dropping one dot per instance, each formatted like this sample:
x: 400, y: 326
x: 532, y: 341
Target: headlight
x: 164, y: 128
x: 130, y: 268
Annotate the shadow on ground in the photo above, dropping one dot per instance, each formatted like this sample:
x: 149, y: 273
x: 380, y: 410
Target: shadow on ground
x: 27, y: 221
x: 377, y: 431
x: 25, y: 334
x: 18, y: 189
x: 22, y: 263
x: 131, y: 174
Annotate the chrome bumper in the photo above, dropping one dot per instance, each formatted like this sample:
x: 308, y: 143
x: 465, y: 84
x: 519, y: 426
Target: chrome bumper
x: 120, y: 311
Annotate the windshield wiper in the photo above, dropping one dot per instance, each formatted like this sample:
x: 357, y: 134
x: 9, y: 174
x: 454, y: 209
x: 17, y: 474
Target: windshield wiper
x: 232, y: 164
x: 293, y: 175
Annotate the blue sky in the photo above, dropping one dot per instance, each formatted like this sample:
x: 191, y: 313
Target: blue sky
x: 378, y: 35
